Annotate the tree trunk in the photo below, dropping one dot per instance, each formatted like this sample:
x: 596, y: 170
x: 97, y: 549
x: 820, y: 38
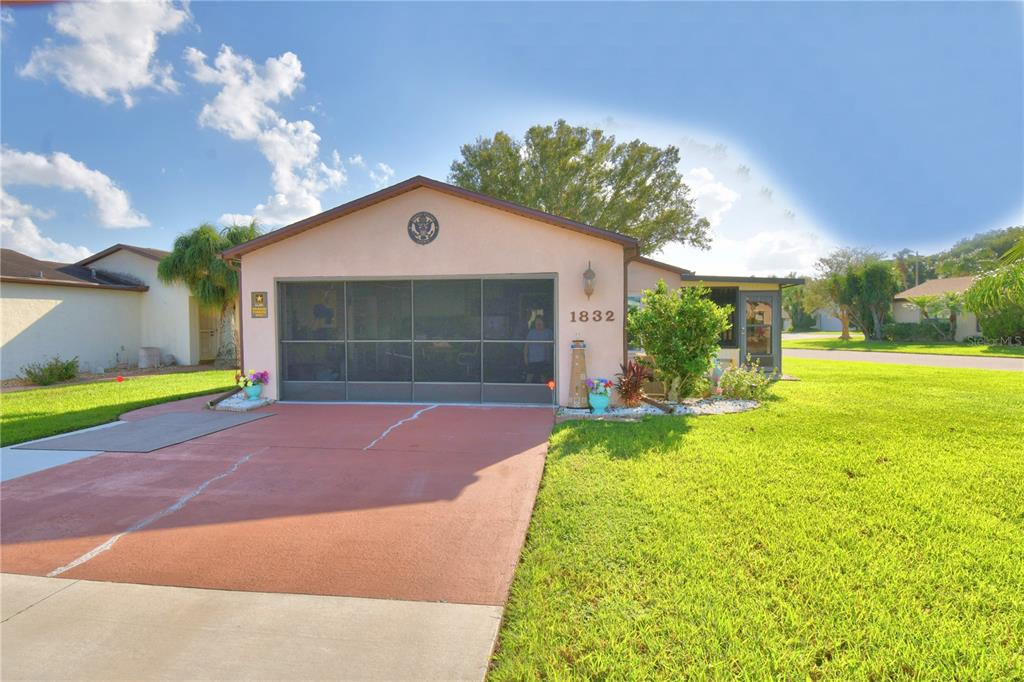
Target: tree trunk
x: 952, y: 325
x: 844, y: 319
x: 227, y: 352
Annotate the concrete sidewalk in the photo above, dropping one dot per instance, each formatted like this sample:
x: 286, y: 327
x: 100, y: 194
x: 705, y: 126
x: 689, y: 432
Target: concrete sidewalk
x: 920, y: 359
x: 76, y: 629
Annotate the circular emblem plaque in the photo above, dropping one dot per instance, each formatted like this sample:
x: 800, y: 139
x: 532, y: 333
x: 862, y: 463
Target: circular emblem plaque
x: 423, y: 228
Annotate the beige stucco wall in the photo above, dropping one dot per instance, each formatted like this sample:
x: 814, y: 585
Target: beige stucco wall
x: 166, y: 313
x: 473, y: 240
x: 966, y: 321
x: 100, y: 326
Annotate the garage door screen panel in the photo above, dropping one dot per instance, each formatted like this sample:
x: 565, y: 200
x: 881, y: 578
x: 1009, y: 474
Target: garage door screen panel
x: 437, y: 340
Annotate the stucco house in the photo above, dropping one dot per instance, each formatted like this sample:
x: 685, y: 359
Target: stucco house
x: 904, y: 311
x: 102, y: 309
x: 428, y: 292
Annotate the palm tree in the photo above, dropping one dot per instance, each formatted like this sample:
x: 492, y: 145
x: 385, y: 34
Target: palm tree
x: 196, y: 263
x: 1015, y: 254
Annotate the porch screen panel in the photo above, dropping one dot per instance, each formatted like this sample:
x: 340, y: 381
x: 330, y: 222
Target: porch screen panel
x: 518, y: 329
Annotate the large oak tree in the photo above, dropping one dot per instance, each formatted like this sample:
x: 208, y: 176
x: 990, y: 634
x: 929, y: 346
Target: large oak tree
x: 585, y: 175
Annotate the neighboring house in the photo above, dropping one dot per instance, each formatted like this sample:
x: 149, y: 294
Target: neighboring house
x: 826, y: 321
x: 102, y: 309
x: 757, y: 303
x: 905, y: 311
x: 428, y: 292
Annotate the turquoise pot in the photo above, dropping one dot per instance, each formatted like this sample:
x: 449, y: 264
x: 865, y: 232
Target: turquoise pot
x: 599, y: 402
x: 253, y: 392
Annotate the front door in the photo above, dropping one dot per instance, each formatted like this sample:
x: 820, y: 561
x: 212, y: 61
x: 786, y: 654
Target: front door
x: 760, y: 328
x: 209, y: 325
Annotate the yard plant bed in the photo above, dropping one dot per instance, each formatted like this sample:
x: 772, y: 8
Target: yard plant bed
x: 864, y: 523
x: 832, y: 342
x: 37, y: 413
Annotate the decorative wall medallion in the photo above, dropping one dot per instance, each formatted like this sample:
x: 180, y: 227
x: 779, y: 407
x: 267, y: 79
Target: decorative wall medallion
x: 423, y: 228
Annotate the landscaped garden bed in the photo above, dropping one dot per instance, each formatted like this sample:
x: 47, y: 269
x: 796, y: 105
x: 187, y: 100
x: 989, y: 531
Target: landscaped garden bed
x: 692, y: 406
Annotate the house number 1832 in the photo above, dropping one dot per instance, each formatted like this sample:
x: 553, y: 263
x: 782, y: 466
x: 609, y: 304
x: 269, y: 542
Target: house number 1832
x: 592, y: 315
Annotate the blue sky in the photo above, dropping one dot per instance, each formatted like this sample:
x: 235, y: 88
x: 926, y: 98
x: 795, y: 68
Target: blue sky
x: 802, y: 126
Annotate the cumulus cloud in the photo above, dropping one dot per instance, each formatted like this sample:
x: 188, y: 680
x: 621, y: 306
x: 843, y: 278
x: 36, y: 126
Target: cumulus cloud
x: 711, y: 197
x: 236, y: 218
x: 110, y: 48
x: 113, y: 207
x: 19, y: 231
x: 381, y: 174
x: 244, y: 109
x: 356, y: 160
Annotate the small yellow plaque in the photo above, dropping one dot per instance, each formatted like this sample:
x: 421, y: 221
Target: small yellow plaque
x: 259, y: 304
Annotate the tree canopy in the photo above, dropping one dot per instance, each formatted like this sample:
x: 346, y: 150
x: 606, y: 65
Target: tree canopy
x: 585, y: 175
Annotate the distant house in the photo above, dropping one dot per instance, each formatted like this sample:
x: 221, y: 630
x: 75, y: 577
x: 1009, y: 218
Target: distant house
x: 905, y: 311
x: 102, y: 309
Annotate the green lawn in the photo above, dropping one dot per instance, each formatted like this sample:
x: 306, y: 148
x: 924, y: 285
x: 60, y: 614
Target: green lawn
x: 27, y: 415
x: 830, y: 341
x: 868, y: 523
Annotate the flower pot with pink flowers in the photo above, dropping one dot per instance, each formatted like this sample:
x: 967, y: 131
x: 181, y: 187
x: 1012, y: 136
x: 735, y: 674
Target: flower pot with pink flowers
x: 600, y: 394
x: 252, y: 383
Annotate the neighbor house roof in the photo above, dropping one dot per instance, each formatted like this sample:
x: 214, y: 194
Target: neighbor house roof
x: 781, y: 281
x: 416, y: 183
x: 17, y: 268
x: 146, y: 252
x: 937, y: 287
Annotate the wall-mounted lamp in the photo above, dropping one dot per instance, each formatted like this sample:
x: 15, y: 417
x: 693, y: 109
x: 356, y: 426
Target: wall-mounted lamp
x: 588, y: 280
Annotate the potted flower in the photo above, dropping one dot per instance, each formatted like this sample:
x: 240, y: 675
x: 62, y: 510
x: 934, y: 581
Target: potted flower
x: 252, y: 383
x: 600, y: 394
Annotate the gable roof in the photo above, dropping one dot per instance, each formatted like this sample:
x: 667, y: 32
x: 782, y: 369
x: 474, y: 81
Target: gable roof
x: 17, y: 268
x: 937, y: 287
x: 664, y: 266
x: 781, y: 281
x: 145, y: 252
x: 416, y: 183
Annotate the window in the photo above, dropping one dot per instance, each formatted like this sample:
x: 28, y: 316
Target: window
x: 727, y: 296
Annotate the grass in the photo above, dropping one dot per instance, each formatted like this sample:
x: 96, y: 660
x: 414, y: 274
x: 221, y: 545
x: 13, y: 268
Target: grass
x: 867, y: 523
x: 830, y: 341
x: 31, y: 414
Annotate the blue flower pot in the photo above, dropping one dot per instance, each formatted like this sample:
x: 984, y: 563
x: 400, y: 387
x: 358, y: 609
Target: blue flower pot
x: 253, y: 392
x: 599, y: 402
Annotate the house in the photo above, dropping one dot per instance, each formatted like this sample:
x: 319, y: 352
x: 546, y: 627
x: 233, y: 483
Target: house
x: 102, y: 309
x: 904, y: 311
x: 427, y: 292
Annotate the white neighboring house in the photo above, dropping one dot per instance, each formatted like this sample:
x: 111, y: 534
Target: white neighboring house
x: 826, y: 321
x: 102, y: 309
x: 905, y: 311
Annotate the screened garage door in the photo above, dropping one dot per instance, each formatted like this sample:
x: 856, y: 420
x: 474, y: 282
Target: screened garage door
x: 428, y: 340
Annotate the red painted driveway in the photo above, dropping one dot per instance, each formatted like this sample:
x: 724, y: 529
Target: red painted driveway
x: 436, y: 509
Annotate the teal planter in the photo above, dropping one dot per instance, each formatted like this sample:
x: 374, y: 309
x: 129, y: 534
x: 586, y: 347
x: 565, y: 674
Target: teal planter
x: 599, y: 402
x: 253, y: 392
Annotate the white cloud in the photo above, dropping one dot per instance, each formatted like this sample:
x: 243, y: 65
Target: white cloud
x: 236, y: 218
x: 113, y: 207
x: 19, y: 232
x: 243, y: 110
x: 356, y: 160
x: 711, y: 197
x: 111, y: 48
x: 382, y: 174
x: 6, y: 20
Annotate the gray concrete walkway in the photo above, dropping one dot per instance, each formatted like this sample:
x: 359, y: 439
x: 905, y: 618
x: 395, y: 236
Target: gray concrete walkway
x: 881, y: 357
x: 55, y: 629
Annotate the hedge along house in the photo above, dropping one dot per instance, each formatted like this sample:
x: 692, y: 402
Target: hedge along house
x: 426, y: 292
x: 756, y: 328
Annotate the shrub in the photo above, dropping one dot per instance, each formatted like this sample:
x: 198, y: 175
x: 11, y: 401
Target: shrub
x: 630, y: 381
x: 680, y: 330
x: 934, y: 330
x: 746, y: 382
x: 997, y: 298
x: 46, y: 373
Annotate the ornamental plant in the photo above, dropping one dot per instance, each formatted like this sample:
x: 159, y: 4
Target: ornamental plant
x: 746, y: 382
x: 251, y: 378
x: 630, y: 381
x: 600, y: 386
x: 680, y: 329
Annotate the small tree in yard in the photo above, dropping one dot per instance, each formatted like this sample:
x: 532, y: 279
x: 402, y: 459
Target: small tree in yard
x: 866, y: 292
x: 196, y: 263
x: 934, y: 308
x: 997, y: 298
x: 680, y: 330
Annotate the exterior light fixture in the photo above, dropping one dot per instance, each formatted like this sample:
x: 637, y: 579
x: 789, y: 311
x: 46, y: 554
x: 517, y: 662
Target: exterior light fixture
x: 588, y: 280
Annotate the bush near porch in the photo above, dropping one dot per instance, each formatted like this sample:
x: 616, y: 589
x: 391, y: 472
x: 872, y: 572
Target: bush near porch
x: 866, y: 523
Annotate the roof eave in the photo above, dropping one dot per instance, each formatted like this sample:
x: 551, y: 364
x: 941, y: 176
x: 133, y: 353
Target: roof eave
x: 409, y: 185
x: 10, y: 279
